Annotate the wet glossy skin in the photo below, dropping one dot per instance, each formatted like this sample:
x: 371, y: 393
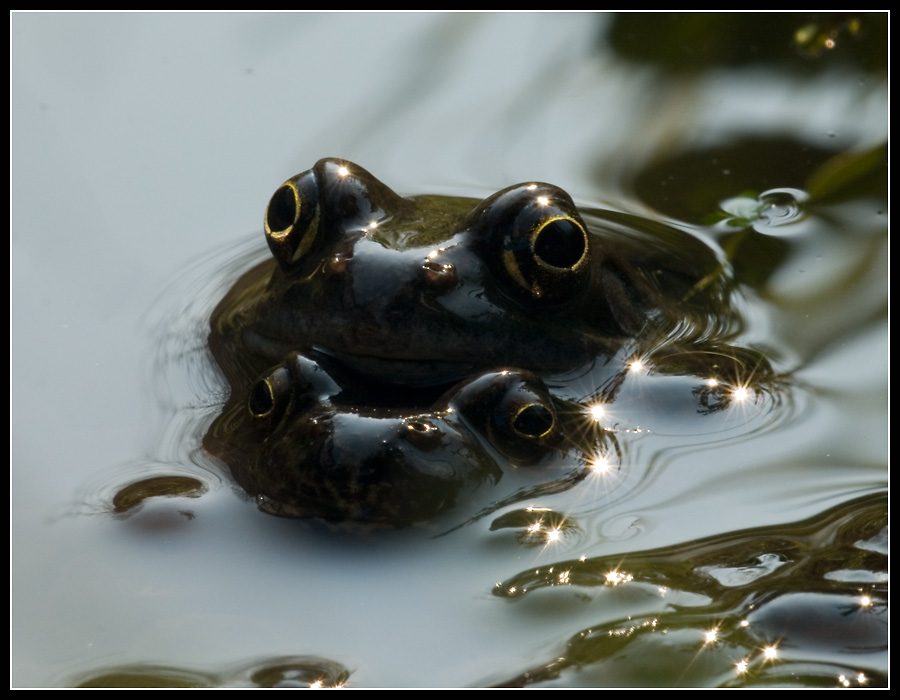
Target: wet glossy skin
x: 304, y: 451
x: 371, y: 363
x: 429, y: 290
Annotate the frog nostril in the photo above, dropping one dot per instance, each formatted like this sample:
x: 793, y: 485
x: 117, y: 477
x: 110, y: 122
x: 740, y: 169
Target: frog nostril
x: 422, y: 433
x: 336, y: 264
x: 441, y: 276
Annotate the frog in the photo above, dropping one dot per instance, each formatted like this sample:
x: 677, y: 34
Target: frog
x: 398, y: 325
x: 307, y: 450
x: 428, y: 290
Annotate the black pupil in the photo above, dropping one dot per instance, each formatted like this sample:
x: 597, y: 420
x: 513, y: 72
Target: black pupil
x: 282, y: 209
x: 533, y: 421
x: 560, y: 243
x: 261, y: 400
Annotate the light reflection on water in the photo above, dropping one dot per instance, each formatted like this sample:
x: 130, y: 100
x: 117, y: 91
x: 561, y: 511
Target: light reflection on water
x: 229, y: 586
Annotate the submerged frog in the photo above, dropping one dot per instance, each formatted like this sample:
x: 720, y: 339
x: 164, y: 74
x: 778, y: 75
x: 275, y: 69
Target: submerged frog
x: 373, y: 359
x: 304, y: 451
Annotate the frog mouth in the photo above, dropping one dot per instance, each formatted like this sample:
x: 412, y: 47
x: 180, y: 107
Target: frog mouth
x: 393, y: 371
x: 390, y: 363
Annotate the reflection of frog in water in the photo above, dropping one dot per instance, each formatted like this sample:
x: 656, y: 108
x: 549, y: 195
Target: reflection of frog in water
x: 397, y: 352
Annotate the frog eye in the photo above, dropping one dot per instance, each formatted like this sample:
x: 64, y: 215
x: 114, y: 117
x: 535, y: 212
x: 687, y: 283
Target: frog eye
x: 531, y: 420
x: 543, y: 245
x: 515, y: 411
x: 292, y: 219
x: 288, y: 390
x: 546, y: 253
x: 560, y: 243
x: 524, y: 424
x: 270, y: 396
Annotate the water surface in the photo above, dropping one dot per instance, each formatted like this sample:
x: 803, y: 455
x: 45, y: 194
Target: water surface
x: 144, y: 150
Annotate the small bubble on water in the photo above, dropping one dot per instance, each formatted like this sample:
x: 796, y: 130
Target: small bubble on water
x: 781, y: 206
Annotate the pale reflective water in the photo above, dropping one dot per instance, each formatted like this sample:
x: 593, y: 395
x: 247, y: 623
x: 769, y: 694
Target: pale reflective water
x: 144, y: 150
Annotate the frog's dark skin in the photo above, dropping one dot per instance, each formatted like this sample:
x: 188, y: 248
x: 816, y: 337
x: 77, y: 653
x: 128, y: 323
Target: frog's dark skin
x: 442, y: 287
x: 380, y: 312
x: 305, y: 452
